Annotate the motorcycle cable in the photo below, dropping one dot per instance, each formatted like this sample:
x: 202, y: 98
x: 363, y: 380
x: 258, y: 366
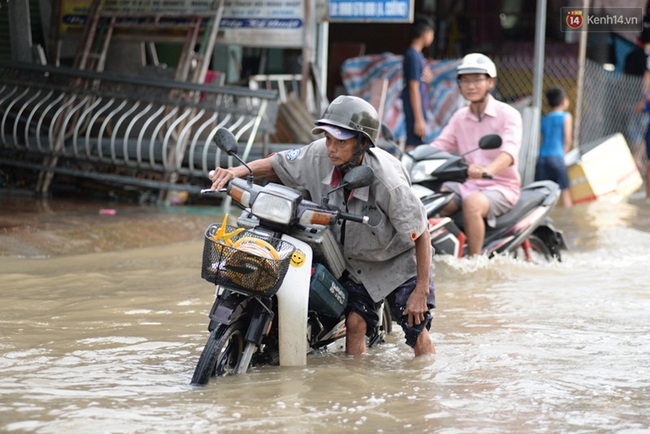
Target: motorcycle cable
x: 346, y: 195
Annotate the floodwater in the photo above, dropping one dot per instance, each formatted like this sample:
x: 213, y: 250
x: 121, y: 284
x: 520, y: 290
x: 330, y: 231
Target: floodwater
x: 103, y: 336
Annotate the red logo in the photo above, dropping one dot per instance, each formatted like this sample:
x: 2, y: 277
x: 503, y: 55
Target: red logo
x: 574, y: 19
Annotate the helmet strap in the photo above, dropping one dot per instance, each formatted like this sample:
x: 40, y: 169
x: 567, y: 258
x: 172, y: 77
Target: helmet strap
x: 358, y: 151
x: 479, y: 103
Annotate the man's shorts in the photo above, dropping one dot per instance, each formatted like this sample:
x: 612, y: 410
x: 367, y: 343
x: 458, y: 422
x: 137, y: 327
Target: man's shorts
x: 360, y: 302
x: 498, y: 202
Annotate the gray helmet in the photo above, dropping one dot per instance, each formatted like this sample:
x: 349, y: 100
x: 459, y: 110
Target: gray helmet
x: 351, y: 113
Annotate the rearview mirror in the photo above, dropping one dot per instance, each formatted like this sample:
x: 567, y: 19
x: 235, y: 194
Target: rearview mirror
x: 490, y: 141
x: 226, y: 141
x: 387, y: 133
x: 357, y: 177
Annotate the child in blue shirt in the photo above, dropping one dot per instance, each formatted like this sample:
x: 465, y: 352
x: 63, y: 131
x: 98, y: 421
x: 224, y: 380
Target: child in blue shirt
x: 557, y: 140
x: 416, y: 78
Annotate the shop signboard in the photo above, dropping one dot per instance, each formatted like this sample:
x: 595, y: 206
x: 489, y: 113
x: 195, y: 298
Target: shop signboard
x: 74, y: 12
x: 371, y: 11
x: 263, y: 23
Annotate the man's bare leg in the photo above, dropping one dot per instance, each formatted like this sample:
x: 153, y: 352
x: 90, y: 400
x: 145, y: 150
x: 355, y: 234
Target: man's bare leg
x: 424, y: 345
x: 355, y: 334
x: 475, y: 209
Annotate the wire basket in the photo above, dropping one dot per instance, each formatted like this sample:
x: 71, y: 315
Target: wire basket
x: 251, y: 263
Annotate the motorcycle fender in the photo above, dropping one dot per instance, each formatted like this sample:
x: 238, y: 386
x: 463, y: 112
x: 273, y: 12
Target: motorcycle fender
x: 293, y: 305
x: 228, y: 308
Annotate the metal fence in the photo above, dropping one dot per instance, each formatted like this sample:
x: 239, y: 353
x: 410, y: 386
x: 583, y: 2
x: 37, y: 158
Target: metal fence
x: 608, y: 98
x: 123, y: 130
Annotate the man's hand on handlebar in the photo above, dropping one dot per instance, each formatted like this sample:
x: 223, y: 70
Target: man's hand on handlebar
x: 220, y: 178
x: 476, y: 171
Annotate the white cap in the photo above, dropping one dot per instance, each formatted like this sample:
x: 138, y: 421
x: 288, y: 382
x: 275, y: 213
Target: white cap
x: 336, y: 132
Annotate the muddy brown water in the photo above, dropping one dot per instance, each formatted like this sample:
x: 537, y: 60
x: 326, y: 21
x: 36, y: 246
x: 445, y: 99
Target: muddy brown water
x: 103, y: 317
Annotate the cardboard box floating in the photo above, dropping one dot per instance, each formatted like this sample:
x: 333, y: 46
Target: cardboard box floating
x: 607, y: 172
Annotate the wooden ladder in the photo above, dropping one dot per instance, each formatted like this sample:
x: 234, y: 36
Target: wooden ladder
x: 95, y: 41
x: 101, y: 24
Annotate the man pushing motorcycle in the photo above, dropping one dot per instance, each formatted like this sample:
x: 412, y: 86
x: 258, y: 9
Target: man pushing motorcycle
x: 493, y: 184
x: 391, y: 254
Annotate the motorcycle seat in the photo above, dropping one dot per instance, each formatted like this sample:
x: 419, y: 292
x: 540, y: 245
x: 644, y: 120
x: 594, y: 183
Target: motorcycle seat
x: 532, y: 195
x: 528, y: 200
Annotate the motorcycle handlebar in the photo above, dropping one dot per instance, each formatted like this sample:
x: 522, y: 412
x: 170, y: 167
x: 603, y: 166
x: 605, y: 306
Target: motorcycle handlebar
x: 208, y: 191
x: 484, y: 175
x: 341, y: 215
x: 354, y: 217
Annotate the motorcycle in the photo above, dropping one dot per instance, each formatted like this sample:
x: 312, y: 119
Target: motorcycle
x: 525, y: 231
x: 276, y: 273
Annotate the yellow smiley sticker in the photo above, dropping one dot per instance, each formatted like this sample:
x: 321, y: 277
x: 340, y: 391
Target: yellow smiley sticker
x: 297, y: 259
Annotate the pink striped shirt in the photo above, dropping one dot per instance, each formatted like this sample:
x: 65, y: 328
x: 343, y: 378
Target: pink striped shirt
x: 463, y: 132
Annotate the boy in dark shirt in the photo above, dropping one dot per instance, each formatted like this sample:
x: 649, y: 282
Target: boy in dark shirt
x: 416, y: 79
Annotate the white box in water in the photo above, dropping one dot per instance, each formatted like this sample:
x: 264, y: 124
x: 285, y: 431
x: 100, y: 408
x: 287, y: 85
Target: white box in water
x: 326, y: 248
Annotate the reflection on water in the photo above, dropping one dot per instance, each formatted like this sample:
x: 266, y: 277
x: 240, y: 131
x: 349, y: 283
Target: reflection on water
x: 108, y: 342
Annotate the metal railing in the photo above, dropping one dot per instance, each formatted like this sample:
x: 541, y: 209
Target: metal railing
x: 128, y: 130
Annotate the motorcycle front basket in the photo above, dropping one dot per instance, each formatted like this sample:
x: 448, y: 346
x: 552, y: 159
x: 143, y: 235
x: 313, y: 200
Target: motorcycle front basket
x: 247, y: 262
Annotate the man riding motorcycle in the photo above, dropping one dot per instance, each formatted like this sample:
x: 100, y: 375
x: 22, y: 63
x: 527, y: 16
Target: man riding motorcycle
x: 390, y: 255
x: 494, y: 183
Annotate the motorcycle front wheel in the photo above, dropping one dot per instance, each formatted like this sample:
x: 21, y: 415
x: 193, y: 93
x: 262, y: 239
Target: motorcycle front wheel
x: 221, y: 353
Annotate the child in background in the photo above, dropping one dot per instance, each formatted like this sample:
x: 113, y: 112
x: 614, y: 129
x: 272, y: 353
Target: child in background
x: 416, y: 79
x: 557, y: 140
x: 644, y: 106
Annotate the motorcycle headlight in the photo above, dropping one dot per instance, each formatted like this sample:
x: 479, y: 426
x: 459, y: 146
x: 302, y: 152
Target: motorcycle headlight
x: 422, y: 170
x: 273, y: 208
